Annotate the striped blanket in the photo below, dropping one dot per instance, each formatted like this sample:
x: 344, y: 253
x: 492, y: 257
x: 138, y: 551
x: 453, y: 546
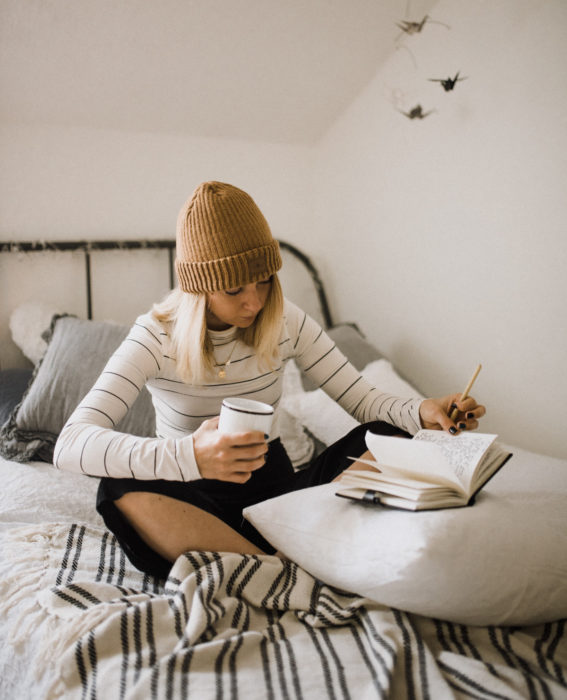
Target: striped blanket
x: 231, y: 626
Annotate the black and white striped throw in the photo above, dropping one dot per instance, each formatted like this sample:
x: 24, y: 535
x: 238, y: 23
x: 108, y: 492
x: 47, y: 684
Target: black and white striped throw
x: 232, y: 626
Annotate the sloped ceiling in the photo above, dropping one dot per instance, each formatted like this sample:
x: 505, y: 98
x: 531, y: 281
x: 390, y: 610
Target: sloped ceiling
x: 273, y: 70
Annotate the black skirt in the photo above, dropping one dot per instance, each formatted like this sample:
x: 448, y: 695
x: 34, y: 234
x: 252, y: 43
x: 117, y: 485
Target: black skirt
x: 227, y: 500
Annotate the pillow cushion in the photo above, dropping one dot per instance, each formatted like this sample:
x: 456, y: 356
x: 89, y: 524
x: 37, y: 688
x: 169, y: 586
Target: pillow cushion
x: 299, y: 444
x: 77, y: 351
x: 354, y: 345
x: 502, y: 561
x: 13, y: 384
x: 28, y: 322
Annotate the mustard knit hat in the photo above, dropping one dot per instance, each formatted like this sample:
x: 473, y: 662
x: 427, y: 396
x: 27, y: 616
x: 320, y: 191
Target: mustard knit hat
x: 223, y: 240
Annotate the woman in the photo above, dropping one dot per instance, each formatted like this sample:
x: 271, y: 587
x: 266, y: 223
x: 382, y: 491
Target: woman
x: 226, y: 331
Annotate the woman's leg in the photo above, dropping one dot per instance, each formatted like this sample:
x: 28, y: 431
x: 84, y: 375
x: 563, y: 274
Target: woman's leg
x: 170, y: 526
x: 156, y: 521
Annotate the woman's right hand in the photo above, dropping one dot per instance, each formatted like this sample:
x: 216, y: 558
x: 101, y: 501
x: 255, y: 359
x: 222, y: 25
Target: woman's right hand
x: 228, y: 457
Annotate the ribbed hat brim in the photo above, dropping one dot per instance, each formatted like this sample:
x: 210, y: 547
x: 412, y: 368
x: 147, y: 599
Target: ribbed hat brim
x: 229, y: 272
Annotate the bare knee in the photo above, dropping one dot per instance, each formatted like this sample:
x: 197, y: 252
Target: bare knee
x: 147, y: 513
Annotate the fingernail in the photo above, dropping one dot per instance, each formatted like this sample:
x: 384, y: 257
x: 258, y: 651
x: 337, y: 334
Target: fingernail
x: 266, y: 436
x: 454, y: 405
x: 462, y: 426
x: 470, y: 415
x: 452, y: 430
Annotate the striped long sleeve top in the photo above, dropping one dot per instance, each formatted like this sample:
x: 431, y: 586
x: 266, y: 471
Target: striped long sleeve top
x: 89, y: 443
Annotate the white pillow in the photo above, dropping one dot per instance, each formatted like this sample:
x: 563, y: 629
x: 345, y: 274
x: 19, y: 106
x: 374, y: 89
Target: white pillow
x: 298, y: 445
x: 502, y: 561
x: 27, y: 323
x: 322, y: 416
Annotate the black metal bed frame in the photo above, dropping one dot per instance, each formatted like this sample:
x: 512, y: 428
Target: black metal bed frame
x: 87, y: 247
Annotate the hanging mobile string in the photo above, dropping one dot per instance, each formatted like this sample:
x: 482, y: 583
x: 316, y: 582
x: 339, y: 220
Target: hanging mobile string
x: 222, y: 371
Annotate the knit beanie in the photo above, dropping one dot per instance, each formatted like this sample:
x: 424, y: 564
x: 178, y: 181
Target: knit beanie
x: 223, y: 240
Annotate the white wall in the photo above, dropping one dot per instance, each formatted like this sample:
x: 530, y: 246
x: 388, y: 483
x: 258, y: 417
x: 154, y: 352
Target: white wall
x: 444, y: 238
x: 60, y: 183
x: 67, y: 183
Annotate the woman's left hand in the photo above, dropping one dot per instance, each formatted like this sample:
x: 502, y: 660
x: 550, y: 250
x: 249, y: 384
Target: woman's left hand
x: 434, y: 413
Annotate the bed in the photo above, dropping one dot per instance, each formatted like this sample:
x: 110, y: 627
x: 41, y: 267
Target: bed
x: 370, y: 602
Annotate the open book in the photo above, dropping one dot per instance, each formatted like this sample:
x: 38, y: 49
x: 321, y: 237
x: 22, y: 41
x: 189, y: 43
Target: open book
x: 432, y: 470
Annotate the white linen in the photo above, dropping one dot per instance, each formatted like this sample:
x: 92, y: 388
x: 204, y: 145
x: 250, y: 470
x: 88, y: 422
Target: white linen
x: 35, y: 492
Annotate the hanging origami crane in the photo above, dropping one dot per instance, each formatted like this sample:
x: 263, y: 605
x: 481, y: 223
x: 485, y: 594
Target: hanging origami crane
x: 448, y: 83
x: 416, y: 27
x: 416, y: 112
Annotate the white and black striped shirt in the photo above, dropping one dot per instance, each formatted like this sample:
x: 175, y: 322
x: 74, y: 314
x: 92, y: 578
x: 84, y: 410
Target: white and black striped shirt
x: 89, y: 443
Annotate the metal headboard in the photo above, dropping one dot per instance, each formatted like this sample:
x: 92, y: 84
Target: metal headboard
x: 86, y: 247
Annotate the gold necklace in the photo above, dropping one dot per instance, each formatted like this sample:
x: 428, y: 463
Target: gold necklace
x: 222, y: 371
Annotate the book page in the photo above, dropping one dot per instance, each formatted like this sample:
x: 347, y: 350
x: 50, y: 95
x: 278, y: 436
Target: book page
x: 420, y: 460
x: 462, y: 452
x: 374, y: 480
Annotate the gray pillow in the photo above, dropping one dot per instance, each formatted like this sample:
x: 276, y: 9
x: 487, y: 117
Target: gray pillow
x: 76, y: 354
x: 353, y: 345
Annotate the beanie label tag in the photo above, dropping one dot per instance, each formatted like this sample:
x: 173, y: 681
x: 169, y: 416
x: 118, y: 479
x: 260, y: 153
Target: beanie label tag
x: 256, y: 264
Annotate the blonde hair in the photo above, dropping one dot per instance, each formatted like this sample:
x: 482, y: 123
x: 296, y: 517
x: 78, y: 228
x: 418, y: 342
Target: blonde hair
x: 187, y: 314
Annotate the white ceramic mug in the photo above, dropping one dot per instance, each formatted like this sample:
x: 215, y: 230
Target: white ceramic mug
x: 241, y: 415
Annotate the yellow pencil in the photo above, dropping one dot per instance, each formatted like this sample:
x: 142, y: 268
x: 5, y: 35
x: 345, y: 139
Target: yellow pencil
x: 465, y: 393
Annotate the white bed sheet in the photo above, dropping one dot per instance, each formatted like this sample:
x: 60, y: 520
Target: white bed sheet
x: 36, y: 492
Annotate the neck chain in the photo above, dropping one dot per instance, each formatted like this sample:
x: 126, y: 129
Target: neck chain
x: 222, y: 371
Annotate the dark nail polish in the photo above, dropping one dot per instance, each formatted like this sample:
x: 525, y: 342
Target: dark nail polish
x: 452, y: 430
x: 266, y: 436
x: 470, y: 415
x: 462, y: 426
x: 453, y: 405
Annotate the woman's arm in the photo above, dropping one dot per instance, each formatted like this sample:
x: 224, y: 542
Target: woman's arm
x: 90, y: 444
x: 318, y: 356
